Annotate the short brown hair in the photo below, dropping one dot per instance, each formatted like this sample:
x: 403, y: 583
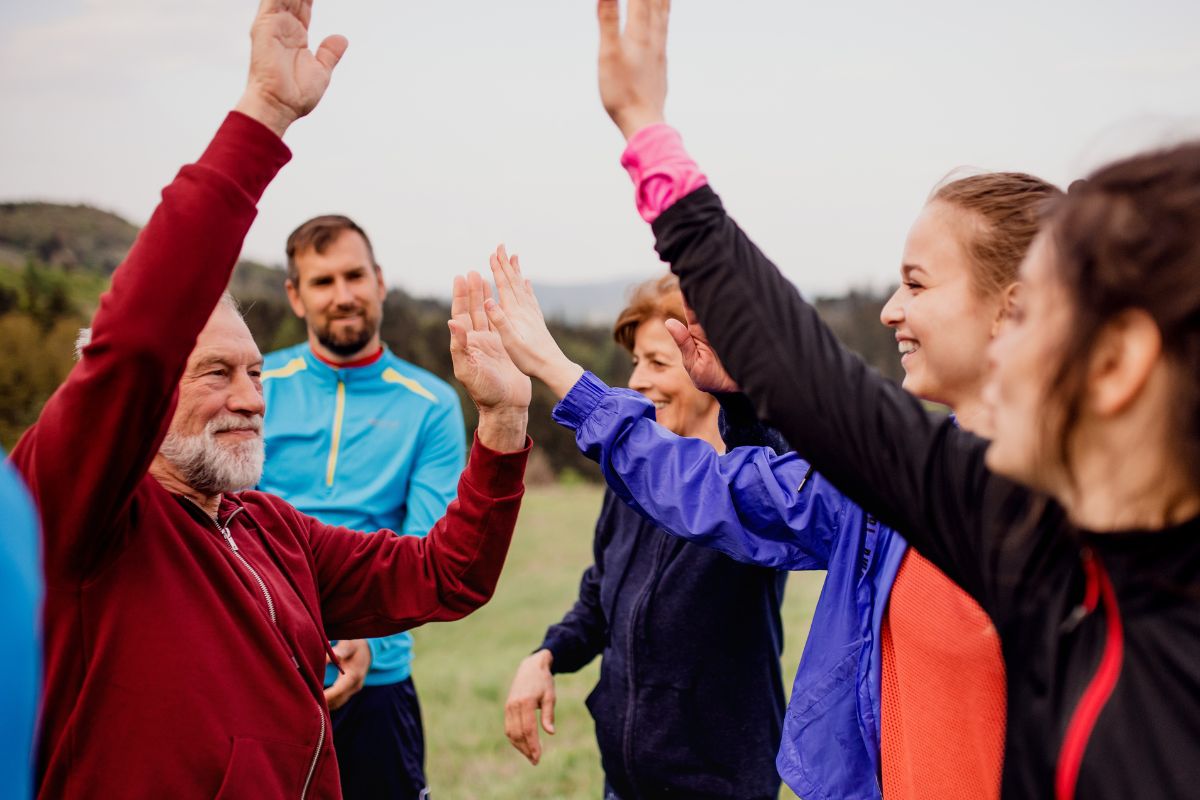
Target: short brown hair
x: 1008, y: 206
x: 1128, y: 238
x: 317, y: 234
x: 659, y: 298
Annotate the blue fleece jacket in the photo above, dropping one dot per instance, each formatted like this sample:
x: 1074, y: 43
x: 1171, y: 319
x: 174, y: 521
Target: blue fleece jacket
x: 770, y: 510
x: 371, y: 447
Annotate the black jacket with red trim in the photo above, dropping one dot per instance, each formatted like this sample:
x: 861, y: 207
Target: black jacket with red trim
x: 1100, y: 632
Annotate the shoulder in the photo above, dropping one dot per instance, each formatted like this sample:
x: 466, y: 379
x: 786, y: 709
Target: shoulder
x: 418, y: 381
x: 284, y: 363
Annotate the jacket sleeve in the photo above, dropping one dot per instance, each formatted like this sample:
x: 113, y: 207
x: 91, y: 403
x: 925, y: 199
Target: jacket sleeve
x: 583, y: 632
x: 98, y: 433
x: 439, y: 462
x: 380, y: 583
x: 749, y: 504
x: 741, y: 427
x: 916, y: 472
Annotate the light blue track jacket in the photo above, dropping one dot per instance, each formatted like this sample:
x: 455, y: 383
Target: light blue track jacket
x: 20, y: 606
x: 379, y: 446
x: 762, y: 508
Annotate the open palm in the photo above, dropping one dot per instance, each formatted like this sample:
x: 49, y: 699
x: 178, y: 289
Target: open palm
x: 285, y: 75
x: 481, y: 363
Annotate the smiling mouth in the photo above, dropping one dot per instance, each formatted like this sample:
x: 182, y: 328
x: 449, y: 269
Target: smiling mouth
x: 661, y: 404
x: 907, y: 347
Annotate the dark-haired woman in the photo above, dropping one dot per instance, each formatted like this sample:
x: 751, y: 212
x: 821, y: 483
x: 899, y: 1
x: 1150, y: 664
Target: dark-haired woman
x: 1078, y: 527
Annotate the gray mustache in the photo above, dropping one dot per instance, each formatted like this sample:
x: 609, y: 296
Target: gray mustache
x: 254, y: 423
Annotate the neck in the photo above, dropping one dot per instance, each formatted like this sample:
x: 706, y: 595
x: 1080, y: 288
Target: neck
x: 708, y: 429
x: 1125, y: 482
x: 973, y: 416
x: 370, y: 349
x: 167, y: 476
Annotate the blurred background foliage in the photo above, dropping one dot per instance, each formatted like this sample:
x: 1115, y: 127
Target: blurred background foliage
x: 56, y: 260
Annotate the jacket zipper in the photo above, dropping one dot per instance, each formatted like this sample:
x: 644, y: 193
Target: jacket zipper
x: 1100, y: 688
x: 339, y: 413
x: 631, y: 708
x: 228, y: 537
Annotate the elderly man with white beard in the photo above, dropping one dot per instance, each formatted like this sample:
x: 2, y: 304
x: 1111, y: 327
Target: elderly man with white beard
x: 186, y: 622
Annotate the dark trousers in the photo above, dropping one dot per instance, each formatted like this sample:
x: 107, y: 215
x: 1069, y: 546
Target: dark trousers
x: 380, y: 744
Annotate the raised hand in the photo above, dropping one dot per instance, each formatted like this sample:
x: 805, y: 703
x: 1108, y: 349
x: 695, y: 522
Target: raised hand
x: 532, y: 691
x: 699, y: 358
x: 500, y: 391
x: 518, y: 319
x: 286, y: 79
x: 633, y: 63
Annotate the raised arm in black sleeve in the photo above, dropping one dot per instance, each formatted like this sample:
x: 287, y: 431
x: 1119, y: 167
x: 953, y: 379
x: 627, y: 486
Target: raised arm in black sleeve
x: 915, y: 471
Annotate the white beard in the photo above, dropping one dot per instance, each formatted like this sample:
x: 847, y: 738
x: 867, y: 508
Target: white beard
x: 212, y: 467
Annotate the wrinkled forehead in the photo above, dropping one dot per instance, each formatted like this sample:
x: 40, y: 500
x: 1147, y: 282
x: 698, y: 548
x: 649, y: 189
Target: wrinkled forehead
x: 225, y: 339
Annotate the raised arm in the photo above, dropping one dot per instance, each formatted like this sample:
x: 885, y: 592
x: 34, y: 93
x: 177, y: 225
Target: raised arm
x: 381, y: 584
x: 874, y: 441
x: 97, y: 435
x: 750, y: 504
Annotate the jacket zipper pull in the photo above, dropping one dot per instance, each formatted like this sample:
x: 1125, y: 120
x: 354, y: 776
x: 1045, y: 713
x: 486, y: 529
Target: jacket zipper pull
x: 229, y: 539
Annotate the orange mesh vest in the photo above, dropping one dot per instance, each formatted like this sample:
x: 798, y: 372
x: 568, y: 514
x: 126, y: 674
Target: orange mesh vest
x: 943, y: 693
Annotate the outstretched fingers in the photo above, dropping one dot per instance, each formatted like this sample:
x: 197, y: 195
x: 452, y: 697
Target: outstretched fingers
x: 477, y: 291
x: 608, y: 12
x: 331, y: 51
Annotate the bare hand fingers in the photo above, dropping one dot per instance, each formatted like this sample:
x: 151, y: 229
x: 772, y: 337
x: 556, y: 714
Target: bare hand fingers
x: 500, y: 274
x: 458, y: 337
x: 475, y: 296
x: 331, y: 51
x: 548, y: 712
x: 608, y: 12
x: 529, y: 728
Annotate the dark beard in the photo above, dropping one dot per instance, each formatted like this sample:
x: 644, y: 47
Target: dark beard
x: 345, y: 347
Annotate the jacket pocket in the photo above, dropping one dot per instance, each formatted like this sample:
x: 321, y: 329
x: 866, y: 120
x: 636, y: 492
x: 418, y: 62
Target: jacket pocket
x: 260, y: 768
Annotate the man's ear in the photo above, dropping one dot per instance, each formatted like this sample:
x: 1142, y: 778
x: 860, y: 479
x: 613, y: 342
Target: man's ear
x: 1123, y: 359
x: 1009, y: 297
x: 379, y: 280
x: 293, y: 294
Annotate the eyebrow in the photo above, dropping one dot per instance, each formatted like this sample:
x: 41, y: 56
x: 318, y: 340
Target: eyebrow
x: 210, y: 361
x: 908, y: 269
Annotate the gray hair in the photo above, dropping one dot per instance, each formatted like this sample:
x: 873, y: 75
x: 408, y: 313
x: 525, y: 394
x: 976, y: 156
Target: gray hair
x: 84, y: 337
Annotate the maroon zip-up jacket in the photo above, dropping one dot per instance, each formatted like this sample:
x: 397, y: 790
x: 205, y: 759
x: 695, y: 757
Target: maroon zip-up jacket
x: 183, y: 660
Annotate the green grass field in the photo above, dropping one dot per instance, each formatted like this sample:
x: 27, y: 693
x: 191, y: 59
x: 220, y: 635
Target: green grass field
x: 463, y: 669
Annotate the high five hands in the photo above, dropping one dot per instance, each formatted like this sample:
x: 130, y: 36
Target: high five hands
x: 286, y: 79
x: 633, y: 62
x: 500, y: 391
x: 518, y: 319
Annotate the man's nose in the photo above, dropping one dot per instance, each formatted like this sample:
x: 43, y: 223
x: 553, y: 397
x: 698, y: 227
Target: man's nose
x: 246, y: 395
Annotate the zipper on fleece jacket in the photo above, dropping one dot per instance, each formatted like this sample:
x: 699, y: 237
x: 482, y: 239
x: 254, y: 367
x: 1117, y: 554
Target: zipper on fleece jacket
x: 227, y: 535
x: 1100, y: 688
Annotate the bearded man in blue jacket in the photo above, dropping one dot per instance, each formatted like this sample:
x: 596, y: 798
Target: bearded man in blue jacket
x: 358, y: 437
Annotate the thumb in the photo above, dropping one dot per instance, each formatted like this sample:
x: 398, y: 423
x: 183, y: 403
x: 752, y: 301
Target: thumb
x: 548, y: 712
x: 499, y: 321
x: 458, y: 336
x: 683, y: 339
x: 331, y: 51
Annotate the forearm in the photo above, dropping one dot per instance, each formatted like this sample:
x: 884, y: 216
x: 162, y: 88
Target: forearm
x: 748, y: 503
x: 381, y: 583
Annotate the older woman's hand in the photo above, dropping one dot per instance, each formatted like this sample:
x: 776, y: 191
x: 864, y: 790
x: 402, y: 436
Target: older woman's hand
x: 518, y: 319
x: 700, y: 360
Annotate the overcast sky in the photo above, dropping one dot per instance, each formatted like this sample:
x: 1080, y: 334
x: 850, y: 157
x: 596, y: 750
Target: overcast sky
x: 451, y: 126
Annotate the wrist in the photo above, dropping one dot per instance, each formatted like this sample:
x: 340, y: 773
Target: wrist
x: 271, y: 115
x: 502, y: 428
x: 560, y: 375
x: 632, y: 120
x: 542, y: 658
